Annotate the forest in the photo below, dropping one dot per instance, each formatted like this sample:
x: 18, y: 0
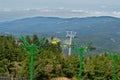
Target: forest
x: 50, y: 62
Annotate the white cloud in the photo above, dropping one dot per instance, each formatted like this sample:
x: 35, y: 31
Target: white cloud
x: 117, y: 14
x: 12, y: 14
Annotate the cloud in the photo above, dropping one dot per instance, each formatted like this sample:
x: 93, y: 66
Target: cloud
x: 117, y: 14
x: 12, y: 14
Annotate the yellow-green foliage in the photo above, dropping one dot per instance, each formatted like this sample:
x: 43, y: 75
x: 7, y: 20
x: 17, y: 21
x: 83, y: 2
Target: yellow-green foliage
x: 51, y: 63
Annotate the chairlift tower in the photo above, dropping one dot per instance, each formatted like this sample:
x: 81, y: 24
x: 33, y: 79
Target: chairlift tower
x: 31, y: 49
x: 70, y: 35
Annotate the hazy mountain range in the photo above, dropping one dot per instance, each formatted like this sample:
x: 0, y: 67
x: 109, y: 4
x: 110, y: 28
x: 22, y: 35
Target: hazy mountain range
x: 104, y: 31
x: 84, y: 26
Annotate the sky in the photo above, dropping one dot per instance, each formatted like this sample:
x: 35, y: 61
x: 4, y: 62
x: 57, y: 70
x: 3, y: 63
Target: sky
x: 15, y: 9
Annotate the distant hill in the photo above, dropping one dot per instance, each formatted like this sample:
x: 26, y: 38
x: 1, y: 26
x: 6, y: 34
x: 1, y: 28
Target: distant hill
x: 101, y: 42
x: 84, y: 26
x: 89, y: 28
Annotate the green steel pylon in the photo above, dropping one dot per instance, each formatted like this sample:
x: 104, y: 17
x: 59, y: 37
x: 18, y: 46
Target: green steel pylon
x: 115, y: 57
x: 80, y: 50
x: 30, y: 49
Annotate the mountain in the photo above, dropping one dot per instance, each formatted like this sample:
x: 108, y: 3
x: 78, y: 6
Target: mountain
x: 101, y: 30
x: 83, y: 26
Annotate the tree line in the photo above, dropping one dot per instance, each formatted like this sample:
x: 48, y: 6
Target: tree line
x: 51, y: 62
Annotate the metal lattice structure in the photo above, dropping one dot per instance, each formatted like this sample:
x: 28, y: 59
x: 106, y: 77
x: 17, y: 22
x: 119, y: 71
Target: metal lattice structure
x: 80, y: 50
x: 31, y: 49
x: 70, y: 35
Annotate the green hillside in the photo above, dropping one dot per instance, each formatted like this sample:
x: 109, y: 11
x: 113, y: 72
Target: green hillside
x: 51, y: 62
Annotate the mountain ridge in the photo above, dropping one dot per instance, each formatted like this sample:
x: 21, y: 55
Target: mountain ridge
x: 99, y: 30
x: 59, y: 23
